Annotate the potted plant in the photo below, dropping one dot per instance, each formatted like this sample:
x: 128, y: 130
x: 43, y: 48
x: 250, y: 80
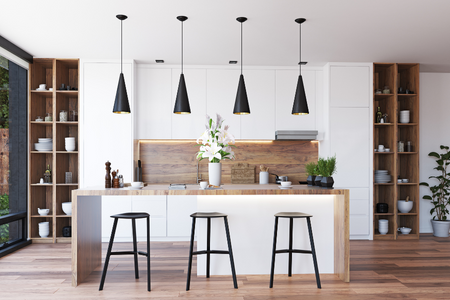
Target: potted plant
x: 440, y: 193
x: 311, y: 170
x: 327, y: 167
x: 319, y: 176
x: 215, y: 146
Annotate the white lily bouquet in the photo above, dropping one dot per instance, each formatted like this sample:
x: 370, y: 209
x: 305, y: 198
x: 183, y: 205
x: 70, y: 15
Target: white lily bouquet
x: 215, y: 141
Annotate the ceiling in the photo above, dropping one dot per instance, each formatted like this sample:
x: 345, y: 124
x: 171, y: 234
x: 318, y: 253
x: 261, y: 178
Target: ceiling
x: 335, y: 31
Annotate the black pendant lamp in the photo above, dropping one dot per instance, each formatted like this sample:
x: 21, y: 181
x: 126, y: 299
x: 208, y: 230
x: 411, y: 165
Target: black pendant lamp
x: 300, y: 106
x: 241, y: 106
x: 182, y: 106
x: 121, y: 104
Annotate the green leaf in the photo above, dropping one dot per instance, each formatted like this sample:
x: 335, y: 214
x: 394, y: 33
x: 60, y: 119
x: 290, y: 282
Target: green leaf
x: 444, y: 147
x: 426, y: 197
x: 424, y: 183
x: 434, y: 154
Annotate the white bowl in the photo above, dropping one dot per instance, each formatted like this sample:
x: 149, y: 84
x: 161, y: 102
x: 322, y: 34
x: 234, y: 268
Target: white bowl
x: 285, y: 183
x: 44, y: 211
x: 404, y: 230
x: 67, y: 208
x: 404, y: 207
x: 137, y: 184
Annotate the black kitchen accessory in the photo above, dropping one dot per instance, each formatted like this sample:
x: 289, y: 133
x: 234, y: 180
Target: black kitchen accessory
x: 67, y: 231
x: 382, y: 208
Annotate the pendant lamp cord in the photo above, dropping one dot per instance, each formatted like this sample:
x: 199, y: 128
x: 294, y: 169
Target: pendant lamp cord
x: 121, y: 45
x: 300, y: 50
x: 241, y: 47
x: 182, y: 47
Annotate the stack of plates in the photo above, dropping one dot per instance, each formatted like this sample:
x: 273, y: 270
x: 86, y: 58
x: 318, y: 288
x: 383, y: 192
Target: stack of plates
x: 44, y: 144
x: 44, y: 229
x: 404, y: 116
x: 70, y: 144
x: 382, y: 176
x: 383, y: 226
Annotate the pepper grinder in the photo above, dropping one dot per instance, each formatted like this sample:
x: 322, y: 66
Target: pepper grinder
x: 113, y: 173
x: 108, y: 175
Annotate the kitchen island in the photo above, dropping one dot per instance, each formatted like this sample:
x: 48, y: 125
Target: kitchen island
x: 250, y: 208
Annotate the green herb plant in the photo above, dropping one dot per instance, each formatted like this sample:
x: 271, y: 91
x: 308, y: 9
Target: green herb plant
x: 327, y: 166
x: 440, y: 193
x: 311, y: 169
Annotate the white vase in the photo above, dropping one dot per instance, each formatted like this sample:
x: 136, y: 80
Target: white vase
x: 215, y: 173
x: 440, y: 228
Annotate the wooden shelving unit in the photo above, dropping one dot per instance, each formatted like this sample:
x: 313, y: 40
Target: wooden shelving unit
x: 53, y: 72
x: 399, y: 164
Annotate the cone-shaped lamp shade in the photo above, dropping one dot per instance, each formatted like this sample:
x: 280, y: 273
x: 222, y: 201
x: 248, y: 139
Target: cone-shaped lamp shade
x: 300, y: 106
x: 121, y: 105
x: 182, y: 101
x: 241, y: 106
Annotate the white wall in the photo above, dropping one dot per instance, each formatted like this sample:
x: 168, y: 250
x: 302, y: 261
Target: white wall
x: 434, y: 124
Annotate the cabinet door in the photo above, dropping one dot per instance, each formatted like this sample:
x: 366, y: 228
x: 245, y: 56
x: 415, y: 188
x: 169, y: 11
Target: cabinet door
x: 350, y: 134
x: 359, y: 213
x: 286, y: 85
x: 350, y: 86
x: 154, y: 107
x: 179, y: 209
x: 190, y: 126
x: 221, y: 95
x: 112, y: 205
x: 156, y: 207
x: 105, y: 135
x: 260, y: 124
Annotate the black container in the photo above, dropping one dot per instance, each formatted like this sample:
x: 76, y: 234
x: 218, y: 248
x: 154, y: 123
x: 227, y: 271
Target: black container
x: 310, y: 180
x: 317, y: 181
x: 327, y: 182
x: 67, y: 231
x: 382, y: 208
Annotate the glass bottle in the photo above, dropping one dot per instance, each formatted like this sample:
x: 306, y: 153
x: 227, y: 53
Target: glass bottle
x: 48, y: 175
x: 379, y: 115
x: 408, y: 146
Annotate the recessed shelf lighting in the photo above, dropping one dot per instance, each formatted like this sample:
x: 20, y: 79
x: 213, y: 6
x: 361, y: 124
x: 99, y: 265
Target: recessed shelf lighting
x: 233, y: 62
x: 159, y: 61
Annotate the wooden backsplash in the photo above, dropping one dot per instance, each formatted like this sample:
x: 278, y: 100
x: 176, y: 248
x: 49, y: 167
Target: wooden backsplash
x: 174, y: 161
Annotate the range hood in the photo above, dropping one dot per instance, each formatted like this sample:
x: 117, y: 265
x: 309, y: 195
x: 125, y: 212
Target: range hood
x: 296, y: 135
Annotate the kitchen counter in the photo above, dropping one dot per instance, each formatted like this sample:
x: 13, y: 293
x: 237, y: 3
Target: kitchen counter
x: 251, y: 203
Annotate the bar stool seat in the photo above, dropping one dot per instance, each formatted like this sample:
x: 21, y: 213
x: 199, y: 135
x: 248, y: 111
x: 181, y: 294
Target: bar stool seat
x: 292, y: 216
x: 133, y: 216
x: 208, y: 216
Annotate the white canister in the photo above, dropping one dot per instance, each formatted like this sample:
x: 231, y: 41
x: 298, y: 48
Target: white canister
x: 263, y: 177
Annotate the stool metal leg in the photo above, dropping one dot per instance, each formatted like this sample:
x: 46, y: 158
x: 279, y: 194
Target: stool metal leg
x: 148, y: 255
x: 313, y: 250
x: 272, y: 270
x: 291, y: 237
x: 191, y: 250
x: 233, y: 270
x: 136, y: 267
x: 108, y: 254
x: 208, y: 247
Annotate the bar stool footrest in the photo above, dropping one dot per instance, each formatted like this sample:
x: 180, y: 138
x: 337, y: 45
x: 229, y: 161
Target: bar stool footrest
x: 294, y: 251
x: 211, y: 252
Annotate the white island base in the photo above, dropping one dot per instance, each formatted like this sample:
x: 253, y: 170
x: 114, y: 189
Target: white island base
x: 251, y: 221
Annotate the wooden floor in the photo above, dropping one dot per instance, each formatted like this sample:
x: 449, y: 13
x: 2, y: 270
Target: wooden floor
x: 403, y: 269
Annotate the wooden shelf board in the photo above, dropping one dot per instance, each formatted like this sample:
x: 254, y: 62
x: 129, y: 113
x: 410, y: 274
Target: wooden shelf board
x: 406, y: 95
x: 41, y: 238
x: 66, y: 152
x: 383, y: 183
x: 407, y: 183
x: 410, y: 236
x: 67, y: 123
x: 72, y: 93
x: 42, y: 152
x: 407, y: 153
x: 406, y: 214
x: 64, y: 216
x: 43, y: 184
x: 66, y: 184
x: 376, y: 152
x: 407, y: 124
x: 42, y: 123
x: 39, y: 216
x: 383, y: 214
x: 383, y: 124
x: 383, y: 95
x: 46, y: 93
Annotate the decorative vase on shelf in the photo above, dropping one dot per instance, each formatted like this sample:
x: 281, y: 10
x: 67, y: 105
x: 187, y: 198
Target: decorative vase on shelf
x: 317, y: 181
x: 310, y: 180
x: 215, y: 173
x: 327, y: 182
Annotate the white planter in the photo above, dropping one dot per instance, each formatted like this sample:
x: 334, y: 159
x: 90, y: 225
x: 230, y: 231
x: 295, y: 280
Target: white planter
x: 215, y: 173
x: 440, y: 228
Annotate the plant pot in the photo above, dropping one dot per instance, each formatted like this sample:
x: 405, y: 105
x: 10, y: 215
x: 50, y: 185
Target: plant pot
x: 310, y: 180
x: 317, y: 181
x: 215, y: 173
x: 327, y: 182
x: 440, y: 228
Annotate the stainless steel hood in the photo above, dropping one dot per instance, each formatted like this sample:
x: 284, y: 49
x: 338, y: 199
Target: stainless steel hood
x: 296, y: 135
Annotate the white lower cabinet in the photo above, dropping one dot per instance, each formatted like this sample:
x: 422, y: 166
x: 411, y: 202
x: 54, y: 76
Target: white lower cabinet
x: 359, y: 213
x: 112, y: 205
x: 179, y: 209
x: 157, y: 208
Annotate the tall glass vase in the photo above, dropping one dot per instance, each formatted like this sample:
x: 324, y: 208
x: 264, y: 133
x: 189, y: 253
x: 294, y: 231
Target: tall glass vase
x: 215, y: 173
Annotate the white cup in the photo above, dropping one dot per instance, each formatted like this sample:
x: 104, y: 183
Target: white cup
x: 387, y: 150
x: 42, y: 86
x: 380, y: 147
x: 203, y: 184
x: 41, y: 181
x: 405, y: 180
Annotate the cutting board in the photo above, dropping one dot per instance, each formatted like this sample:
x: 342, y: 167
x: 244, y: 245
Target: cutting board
x: 242, y: 173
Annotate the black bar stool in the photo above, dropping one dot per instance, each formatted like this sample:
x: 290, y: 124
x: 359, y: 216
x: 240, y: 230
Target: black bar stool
x: 291, y: 216
x: 133, y: 217
x: 208, y: 250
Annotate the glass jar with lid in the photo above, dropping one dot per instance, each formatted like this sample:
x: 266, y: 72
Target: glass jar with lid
x: 63, y: 116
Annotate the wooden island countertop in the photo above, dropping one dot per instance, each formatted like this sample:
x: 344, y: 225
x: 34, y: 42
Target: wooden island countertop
x: 87, y: 207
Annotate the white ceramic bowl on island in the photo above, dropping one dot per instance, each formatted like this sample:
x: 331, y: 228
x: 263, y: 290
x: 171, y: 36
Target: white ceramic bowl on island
x: 67, y: 208
x: 285, y: 183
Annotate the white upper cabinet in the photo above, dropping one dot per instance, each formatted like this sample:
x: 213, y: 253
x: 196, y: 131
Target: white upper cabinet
x: 260, y: 124
x: 105, y: 135
x: 286, y: 85
x: 221, y: 94
x: 190, y: 126
x: 350, y: 86
x: 154, y: 106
